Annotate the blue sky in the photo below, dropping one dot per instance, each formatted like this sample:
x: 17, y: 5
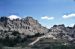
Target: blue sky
x: 47, y: 12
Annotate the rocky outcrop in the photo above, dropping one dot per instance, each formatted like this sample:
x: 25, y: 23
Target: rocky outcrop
x: 62, y: 29
x: 28, y: 25
x: 62, y: 32
x: 28, y: 32
x: 57, y: 33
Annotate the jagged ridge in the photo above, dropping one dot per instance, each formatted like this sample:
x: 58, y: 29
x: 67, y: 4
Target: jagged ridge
x: 28, y: 25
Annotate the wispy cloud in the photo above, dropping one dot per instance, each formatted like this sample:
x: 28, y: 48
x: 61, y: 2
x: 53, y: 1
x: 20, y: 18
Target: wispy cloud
x: 14, y: 17
x: 47, y: 18
x: 68, y: 16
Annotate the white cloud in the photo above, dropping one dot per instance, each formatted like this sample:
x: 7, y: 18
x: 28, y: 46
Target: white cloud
x: 47, y: 18
x: 11, y: 17
x: 71, y: 25
x: 69, y: 16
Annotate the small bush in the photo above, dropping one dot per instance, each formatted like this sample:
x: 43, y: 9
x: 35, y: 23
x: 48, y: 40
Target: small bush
x: 15, y: 33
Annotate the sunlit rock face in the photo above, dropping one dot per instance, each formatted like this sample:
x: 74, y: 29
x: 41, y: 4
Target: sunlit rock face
x: 60, y: 31
x: 28, y: 25
x: 58, y: 28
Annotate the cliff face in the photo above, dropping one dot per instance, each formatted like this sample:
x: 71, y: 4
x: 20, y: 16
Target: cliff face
x: 28, y: 25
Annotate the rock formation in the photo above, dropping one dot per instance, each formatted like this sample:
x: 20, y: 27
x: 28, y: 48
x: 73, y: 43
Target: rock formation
x: 58, y: 32
x: 28, y: 25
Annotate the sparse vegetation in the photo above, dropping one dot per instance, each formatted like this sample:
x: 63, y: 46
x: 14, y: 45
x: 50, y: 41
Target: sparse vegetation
x: 15, y: 33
